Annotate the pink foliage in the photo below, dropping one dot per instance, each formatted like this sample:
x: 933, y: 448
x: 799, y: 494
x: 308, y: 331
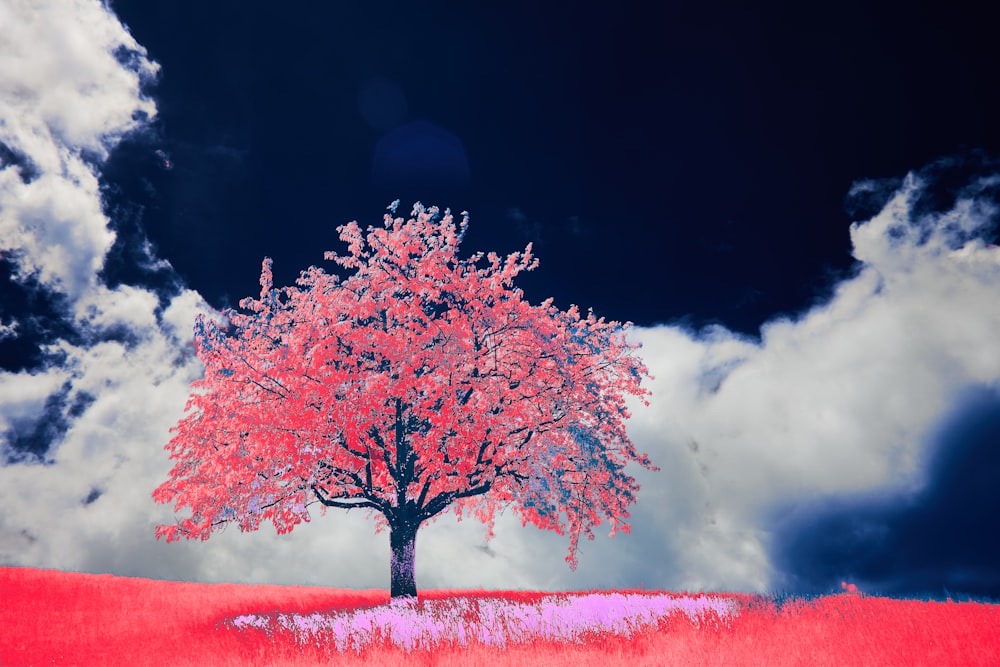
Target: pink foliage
x: 419, y: 383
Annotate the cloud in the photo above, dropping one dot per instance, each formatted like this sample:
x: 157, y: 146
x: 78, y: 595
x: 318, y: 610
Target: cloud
x: 932, y: 543
x: 8, y: 330
x: 842, y: 402
x: 65, y: 99
x: 82, y: 429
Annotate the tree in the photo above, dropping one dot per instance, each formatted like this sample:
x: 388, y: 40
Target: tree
x: 422, y: 382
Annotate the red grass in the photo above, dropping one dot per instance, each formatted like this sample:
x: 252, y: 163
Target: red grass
x: 56, y: 618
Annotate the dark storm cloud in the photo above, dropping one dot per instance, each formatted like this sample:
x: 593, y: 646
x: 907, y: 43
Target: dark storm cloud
x: 937, y: 542
x: 856, y: 441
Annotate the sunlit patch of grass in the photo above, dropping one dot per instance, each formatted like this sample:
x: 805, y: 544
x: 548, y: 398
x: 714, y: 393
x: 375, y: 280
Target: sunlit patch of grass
x: 424, y: 624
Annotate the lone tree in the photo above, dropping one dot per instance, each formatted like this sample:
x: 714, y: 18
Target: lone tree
x: 422, y: 382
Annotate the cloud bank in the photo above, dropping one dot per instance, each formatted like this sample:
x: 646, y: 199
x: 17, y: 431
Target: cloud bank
x: 78, y: 427
x: 844, y: 402
x: 855, y: 399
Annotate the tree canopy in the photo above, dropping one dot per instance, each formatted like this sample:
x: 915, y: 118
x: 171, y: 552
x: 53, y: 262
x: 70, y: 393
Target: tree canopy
x: 422, y: 382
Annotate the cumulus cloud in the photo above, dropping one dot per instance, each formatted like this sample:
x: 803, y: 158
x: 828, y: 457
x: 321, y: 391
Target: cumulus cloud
x: 79, y: 431
x: 838, y: 402
x: 65, y: 99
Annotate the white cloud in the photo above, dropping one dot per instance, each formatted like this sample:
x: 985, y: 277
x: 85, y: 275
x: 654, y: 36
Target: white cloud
x: 60, y: 83
x: 71, y: 81
x: 23, y: 394
x: 838, y: 401
x: 63, y: 95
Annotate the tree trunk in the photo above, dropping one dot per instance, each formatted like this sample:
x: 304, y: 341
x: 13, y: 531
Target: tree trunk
x: 403, y: 545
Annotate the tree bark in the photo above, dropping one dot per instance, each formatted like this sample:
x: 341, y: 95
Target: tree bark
x: 403, y: 545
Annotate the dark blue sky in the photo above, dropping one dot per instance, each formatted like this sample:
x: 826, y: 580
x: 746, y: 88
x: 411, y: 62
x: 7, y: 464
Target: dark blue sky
x: 701, y: 153
x: 683, y: 164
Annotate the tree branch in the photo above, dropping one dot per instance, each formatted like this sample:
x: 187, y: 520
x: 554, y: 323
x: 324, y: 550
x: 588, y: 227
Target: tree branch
x: 373, y: 432
x: 423, y: 492
x: 439, y: 503
x: 351, y: 476
x: 331, y: 502
x: 465, y: 399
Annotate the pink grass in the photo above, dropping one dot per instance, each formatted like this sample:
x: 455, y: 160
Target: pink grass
x: 58, y: 618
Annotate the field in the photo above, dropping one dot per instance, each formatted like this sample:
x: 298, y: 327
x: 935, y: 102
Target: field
x: 59, y: 618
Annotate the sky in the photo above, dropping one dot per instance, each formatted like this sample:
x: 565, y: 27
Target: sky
x: 795, y: 207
